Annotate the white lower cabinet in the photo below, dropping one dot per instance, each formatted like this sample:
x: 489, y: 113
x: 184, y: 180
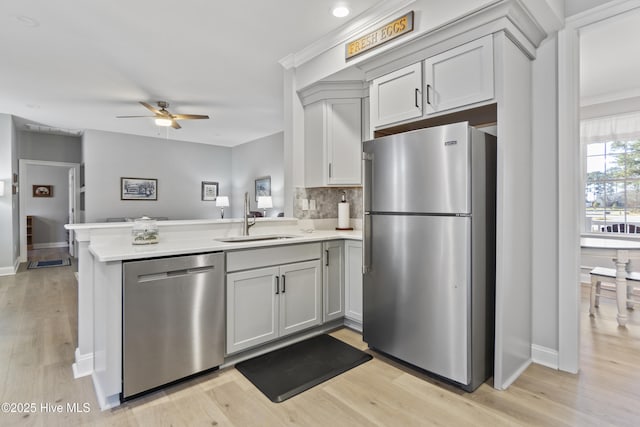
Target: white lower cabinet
x: 353, y: 280
x: 266, y: 303
x: 333, y: 280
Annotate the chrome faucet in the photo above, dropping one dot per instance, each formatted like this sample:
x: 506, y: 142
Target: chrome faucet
x: 247, y: 209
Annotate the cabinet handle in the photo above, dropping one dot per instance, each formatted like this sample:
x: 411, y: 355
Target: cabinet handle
x: 428, y: 97
x: 416, y: 97
x: 277, y: 285
x: 329, y: 170
x: 326, y: 252
x: 283, y: 284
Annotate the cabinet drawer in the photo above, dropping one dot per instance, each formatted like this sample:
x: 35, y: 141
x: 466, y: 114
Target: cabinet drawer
x: 265, y: 257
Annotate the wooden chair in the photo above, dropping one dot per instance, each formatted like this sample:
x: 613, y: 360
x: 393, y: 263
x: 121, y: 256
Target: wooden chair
x: 608, y: 275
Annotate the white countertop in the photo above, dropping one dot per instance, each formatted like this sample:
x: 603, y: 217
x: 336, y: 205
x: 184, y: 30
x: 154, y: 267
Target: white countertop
x: 122, y: 249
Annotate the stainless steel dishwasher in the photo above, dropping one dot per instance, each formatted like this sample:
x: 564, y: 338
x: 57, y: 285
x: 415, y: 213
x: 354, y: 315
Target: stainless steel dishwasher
x: 173, y: 319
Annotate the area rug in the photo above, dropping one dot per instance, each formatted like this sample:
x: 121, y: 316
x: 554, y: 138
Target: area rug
x: 288, y: 371
x: 49, y: 263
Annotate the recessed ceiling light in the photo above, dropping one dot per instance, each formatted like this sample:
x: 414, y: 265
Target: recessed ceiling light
x: 340, y: 11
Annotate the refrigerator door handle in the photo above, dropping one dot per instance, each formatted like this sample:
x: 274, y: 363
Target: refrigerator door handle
x: 367, y: 178
x: 366, y: 249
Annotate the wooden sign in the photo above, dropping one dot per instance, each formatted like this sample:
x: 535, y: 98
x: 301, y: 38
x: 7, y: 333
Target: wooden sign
x: 378, y: 37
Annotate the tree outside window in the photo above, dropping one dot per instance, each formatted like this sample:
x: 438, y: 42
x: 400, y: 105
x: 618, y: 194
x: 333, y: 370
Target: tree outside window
x: 612, y: 190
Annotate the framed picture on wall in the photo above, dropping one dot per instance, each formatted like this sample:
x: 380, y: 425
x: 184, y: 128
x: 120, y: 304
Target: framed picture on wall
x: 138, y: 189
x: 263, y: 186
x: 209, y: 191
x: 40, y: 190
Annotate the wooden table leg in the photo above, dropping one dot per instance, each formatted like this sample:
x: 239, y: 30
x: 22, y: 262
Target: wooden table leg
x: 621, y: 285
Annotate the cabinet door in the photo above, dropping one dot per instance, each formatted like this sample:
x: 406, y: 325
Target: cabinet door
x: 300, y: 296
x: 353, y: 280
x: 459, y: 76
x: 343, y: 140
x: 333, y: 281
x: 252, y: 307
x: 396, y: 96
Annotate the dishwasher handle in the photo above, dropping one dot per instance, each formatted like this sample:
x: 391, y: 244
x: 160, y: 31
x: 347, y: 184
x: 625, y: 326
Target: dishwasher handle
x: 174, y: 273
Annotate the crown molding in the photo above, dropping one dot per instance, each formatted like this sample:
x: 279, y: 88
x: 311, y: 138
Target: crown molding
x: 333, y: 90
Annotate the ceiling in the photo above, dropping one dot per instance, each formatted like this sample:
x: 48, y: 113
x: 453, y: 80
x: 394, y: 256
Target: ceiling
x: 610, y: 59
x: 78, y: 64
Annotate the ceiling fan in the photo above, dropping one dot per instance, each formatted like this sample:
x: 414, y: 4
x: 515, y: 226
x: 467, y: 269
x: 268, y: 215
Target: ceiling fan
x: 163, y: 117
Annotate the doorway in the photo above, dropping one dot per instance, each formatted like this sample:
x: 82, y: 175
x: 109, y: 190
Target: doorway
x: 570, y: 190
x: 49, y: 205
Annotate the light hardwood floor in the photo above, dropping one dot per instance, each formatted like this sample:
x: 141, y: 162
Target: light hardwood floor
x: 38, y: 338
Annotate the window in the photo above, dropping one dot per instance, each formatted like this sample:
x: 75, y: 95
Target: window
x: 611, y: 147
x: 612, y: 186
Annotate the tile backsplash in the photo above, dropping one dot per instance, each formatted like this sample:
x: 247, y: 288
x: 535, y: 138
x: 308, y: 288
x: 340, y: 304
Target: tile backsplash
x: 326, y: 200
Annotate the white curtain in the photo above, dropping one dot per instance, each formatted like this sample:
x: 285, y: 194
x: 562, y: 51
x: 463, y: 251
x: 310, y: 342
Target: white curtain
x: 622, y: 127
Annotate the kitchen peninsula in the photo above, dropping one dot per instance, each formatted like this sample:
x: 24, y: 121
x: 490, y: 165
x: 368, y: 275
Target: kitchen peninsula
x: 105, y: 247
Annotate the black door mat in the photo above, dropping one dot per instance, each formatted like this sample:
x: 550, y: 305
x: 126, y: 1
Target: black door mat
x: 285, y: 372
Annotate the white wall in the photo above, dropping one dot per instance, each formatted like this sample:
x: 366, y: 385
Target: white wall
x: 50, y: 213
x: 255, y: 159
x: 51, y: 148
x: 545, y: 197
x: 9, y: 231
x: 179, y: 166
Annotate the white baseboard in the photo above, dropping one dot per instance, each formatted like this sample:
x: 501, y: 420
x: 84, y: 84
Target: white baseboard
x: 507, y: 383
x: 83, y: 365
x: 105, y: 402
x: 544, y: 356
x: 10, y: 271
x: 353, y: 324
x: 50, y: 245
x: 7, y: 271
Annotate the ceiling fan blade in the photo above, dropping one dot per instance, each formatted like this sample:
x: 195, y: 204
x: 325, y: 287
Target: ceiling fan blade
x: 175, y: 125
x: 189, y: 116
x: 151, y: 108
x: 130, y: 117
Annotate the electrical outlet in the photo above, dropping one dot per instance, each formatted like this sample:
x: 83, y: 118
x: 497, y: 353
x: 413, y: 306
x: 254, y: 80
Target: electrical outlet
x: 312, y: 205
x: 305, y: 204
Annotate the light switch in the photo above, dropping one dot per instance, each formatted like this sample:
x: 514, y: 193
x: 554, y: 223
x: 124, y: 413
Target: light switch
x: 305, y: 204
x: 312, y: 205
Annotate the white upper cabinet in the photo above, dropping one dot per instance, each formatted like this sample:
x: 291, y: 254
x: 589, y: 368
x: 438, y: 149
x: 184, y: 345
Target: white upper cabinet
x: 333, y: 142
x: 344, y: 138
x: 396, y: 96
x: 459, y: 77
x: 452, y: 80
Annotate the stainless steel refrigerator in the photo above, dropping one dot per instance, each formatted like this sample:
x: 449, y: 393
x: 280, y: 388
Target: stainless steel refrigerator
x: 429, y: 250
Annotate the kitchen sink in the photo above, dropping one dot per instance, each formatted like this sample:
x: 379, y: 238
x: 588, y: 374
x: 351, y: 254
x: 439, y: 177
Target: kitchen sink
x: 239, y: 239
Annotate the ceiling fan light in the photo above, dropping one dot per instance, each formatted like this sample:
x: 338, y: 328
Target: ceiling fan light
x: 163, y: 122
